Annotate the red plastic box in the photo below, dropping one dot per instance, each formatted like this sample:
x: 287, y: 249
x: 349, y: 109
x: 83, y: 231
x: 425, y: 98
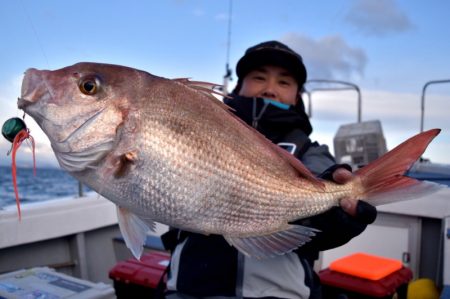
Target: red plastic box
x: 382, y: 288
x: 133, y: 277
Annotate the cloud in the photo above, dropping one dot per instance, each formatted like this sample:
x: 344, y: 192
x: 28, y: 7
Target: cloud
x: 401, y: 110
x: 378, y: 17
x: 399, y: 114
x: 329, y: 57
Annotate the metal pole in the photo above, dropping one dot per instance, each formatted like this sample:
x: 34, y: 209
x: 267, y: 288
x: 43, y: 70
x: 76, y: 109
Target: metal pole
x: 227, y: 76
x: 422, y: 106
x: 309, y: 103
x: 80, y: 189
x: 359, y: 103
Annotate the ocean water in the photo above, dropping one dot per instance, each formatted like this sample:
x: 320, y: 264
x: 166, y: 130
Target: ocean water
x: 48, y: 184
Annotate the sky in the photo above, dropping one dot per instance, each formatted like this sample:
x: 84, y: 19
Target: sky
x: 389, y: 48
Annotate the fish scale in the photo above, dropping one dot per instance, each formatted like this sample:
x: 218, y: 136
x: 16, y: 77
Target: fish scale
x: 260, y: 191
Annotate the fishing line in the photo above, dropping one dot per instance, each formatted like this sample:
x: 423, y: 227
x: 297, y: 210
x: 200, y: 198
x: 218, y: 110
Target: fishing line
x: 38, y: 40
x: 39, y: 44
x: 15, y: 129
x: 34, y: 31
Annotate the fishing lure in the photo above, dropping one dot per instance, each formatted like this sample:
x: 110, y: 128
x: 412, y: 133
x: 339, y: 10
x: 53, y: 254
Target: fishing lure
x: 16, y: 131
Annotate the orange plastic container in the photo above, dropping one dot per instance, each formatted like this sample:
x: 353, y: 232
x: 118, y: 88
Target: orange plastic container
x: 366, y: 266
x: 334, y: 283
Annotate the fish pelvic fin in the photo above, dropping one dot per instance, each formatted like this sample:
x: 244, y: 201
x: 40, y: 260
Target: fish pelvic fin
x: 383, y: 180
x: 134, y: 230
x: 274, y: 244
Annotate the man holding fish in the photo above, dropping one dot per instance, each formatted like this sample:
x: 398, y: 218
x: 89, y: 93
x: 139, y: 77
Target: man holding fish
x: 268, y: 97
x: 252, y: 216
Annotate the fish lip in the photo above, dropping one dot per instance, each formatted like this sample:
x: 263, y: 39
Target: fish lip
x: 34, y: 88
x: 23, y: 103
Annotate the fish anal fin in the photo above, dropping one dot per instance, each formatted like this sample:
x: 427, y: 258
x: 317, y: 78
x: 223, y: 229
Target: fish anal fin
x: 134, y: 230
x: 274, y: 244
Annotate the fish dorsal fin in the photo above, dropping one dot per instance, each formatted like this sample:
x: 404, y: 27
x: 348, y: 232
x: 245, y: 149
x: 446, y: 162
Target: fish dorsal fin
x: 204, y: 87
x: 134, y: 230
x: 298, y: 165
x: 278, y: 243
x: 208, y: 90
x: 292, y: 160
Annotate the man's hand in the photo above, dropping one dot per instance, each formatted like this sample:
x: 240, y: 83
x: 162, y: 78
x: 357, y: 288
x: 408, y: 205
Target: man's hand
x: 361, y: 210
x: 339, y: 224
x: 342, y: 176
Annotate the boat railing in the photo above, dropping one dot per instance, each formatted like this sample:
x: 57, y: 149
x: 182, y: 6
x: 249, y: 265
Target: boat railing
x: 341, y: 86
x: 422, y: 106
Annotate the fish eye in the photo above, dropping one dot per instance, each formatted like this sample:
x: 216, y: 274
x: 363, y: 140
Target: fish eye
x: 89, y: 85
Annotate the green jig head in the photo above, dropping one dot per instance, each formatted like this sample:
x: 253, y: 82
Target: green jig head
x: 12, y: 127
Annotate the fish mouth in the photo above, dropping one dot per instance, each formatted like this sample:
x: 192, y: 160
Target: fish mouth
x: 23, y: 103
x: 34, y: 88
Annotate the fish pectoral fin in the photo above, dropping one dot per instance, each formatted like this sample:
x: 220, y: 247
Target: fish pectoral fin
x: 274, y: 244
x: 134, y: 230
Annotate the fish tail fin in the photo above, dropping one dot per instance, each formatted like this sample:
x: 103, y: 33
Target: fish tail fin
x: 382, y: 181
